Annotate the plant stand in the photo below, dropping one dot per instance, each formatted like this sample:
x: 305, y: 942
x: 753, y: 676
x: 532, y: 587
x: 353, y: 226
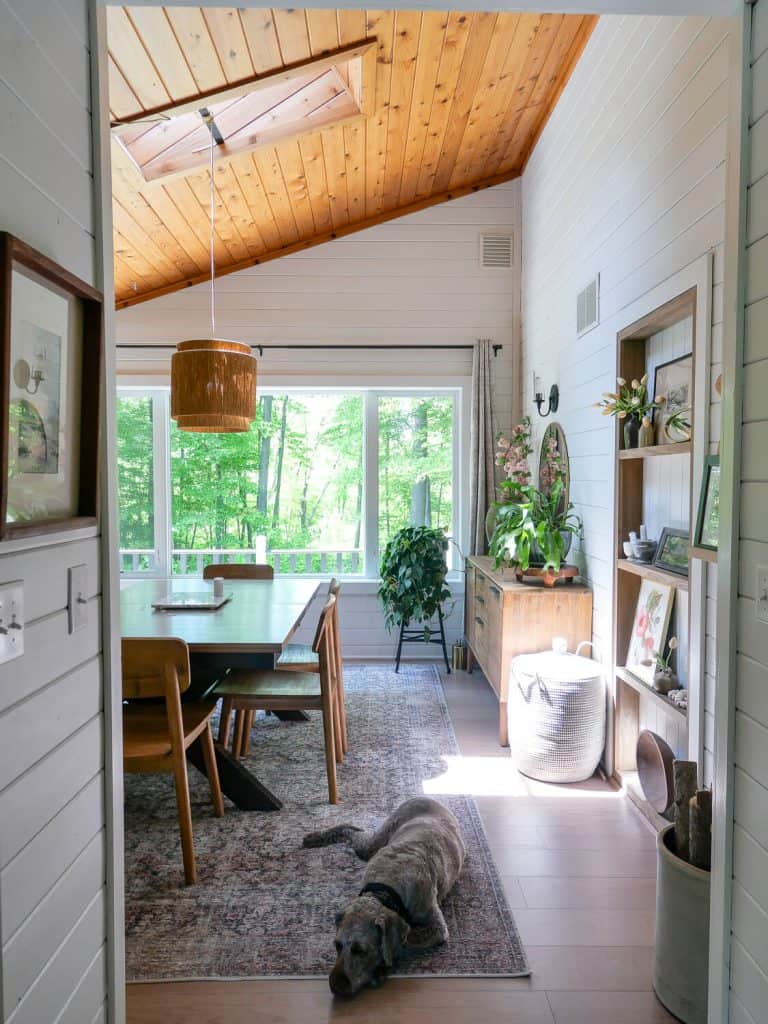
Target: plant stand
x: 549, y: 576
x: 408, y: 636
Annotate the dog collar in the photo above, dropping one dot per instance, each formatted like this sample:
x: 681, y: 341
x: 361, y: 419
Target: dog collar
x: 388, y: 898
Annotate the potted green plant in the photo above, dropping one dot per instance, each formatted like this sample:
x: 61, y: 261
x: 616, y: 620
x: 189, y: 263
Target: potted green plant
x: 536, y: 530
x: 413, y: 571
x: 630, y: 402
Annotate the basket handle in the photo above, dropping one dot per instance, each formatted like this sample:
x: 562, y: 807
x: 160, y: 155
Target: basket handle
x: 595, y: 649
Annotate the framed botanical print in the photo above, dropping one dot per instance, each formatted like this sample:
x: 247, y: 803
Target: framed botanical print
x: 50, y: 374
x: 649, y: 628
x: 674, y: 381
x: 672, y: 551
x: 708, y: 518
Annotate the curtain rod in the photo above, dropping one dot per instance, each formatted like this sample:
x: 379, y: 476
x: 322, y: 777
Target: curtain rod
x: 496, y: 347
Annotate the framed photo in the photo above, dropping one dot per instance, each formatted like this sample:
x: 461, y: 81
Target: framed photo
x: 674, y: 380
x: 708, y: 518
x: 649, y: 628
x: 50, y: 374
x: 672, y: 552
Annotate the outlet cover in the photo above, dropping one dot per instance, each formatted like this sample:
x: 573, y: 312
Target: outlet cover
x: 761, y: 604
x: 11, y: 621
x: 77, y: 595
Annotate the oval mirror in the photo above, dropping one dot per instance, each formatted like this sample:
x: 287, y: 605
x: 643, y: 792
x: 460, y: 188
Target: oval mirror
x: 553, y: 459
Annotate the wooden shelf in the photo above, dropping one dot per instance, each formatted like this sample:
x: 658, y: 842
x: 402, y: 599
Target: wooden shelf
x: 652, y: 572
x: 683, y: 448
x: 705, y: 554
x: 658, y: 698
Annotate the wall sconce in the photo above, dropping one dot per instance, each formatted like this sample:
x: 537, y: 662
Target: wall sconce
x: 22, y: 375
x: 538, y: 397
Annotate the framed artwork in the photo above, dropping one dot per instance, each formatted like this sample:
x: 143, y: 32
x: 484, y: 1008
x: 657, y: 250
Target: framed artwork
x: 50, y: 374
x: 674, y: 380
x: 649, y: 628
x: 672, y: 552
x: 708, y: 518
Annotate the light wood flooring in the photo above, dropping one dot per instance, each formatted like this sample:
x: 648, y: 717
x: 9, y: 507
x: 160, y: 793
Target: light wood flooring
x: 578, y: 866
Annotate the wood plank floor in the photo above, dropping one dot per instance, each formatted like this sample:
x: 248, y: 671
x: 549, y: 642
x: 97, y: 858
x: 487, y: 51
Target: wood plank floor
x: 578, y: 865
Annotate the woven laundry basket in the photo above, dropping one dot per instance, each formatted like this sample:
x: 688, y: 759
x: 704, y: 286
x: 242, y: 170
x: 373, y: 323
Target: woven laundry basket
x: 556, y: 715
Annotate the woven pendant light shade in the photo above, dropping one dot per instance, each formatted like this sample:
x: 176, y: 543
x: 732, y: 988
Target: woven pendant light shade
x: 213, y: 386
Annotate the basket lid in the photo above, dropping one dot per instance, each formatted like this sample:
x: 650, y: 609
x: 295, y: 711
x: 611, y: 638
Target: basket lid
x: 561, y: 668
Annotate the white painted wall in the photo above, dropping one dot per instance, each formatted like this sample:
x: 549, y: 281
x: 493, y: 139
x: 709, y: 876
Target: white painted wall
x: 53, y: 848
x: 414, y: 281
x: 749, y: 763
x: 627, y: 180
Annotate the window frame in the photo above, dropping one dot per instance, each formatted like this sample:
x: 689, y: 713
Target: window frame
x: 370, y: 394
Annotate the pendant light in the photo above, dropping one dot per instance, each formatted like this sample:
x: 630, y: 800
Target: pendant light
x: 213, y: 382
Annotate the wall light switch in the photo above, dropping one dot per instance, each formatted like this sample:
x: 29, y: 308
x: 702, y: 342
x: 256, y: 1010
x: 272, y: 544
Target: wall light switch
x: 77, y: 594
x: 761, y: 604
x: 11, y: 621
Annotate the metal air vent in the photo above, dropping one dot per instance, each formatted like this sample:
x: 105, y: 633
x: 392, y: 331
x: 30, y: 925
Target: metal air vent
x: 588, y: 306
x: 496, y: 251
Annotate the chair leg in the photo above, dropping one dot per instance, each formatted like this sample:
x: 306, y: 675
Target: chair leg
x: 338, y: 740
x: 185, y: 817
x: 226, y: 715
x: 237, y: 734
x: 330, y: 753
x: 249, y: 718
x: 212, y: 771
x: 340, y: 682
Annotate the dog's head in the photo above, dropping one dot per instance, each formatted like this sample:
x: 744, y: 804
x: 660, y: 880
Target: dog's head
x: 368, y: 940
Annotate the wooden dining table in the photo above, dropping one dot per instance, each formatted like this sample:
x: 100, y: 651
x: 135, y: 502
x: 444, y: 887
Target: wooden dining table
x: 249, y: 631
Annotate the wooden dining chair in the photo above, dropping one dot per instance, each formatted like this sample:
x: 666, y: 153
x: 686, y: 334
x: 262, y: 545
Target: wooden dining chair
x: 239, y: 571
x: 302, y: 658
x: 157, y: 735
x: 246, y: 690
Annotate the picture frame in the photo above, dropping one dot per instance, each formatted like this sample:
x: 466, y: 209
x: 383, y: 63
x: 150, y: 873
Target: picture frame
x: 649, y: 628
x: 674, y: 380
x: 51, y: 343
x: 672, y: 551
x: 708, y: 516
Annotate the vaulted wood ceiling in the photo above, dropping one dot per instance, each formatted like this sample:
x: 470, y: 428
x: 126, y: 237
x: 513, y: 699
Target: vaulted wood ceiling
x: 453, y: 102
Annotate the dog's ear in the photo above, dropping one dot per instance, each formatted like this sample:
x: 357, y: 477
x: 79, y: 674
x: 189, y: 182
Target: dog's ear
x: 393, y: 931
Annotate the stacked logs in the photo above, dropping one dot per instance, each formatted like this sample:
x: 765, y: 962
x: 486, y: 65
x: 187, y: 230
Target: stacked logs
x: 693, y: 816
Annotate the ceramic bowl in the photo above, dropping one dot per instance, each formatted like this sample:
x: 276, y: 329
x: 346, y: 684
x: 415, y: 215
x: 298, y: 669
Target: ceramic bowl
x: 644, y: 550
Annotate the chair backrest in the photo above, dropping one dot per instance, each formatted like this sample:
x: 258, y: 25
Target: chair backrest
x: 146, y: 663
x: 334, y: 587
x: 324, y: 632
x: 239, y: 571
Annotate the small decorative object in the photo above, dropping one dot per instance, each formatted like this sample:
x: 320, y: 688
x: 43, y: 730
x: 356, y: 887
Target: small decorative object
x: 647, y: 436
x: 649, y: 629
x: 644, y: 550
x: 672, y: 551
x: 681, y: 955
x: 679, y: 698
x: 673, y: 390
x: 654, y: 766
x: 629, y: 402
x: 664, y: 678
x: 627, y: 546
x: 459, y: 655
x: 708, y: 518
x: 556, y: 715
x: 52, y: 342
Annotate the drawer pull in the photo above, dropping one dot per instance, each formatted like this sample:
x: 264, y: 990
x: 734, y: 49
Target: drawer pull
x: 494, y: 590
x: 481, y: 600
x: 479, y: 621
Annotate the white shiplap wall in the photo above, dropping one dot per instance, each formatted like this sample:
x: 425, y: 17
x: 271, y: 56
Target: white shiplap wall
x: 749, y: 912
x: 413, y: 281
x: 628, y: 181
x: 53, y: 922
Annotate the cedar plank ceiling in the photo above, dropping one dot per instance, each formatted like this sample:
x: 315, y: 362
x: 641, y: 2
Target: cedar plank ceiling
x: 453, y: 102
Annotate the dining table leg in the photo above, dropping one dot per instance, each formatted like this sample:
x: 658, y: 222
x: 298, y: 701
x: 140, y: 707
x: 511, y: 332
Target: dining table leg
x: 241, y: 786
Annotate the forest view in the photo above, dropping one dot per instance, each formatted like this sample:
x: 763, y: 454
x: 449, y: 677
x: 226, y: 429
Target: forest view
x: 296, y: 478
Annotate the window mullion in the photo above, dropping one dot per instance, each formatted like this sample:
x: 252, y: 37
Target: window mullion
x: 162, y: 475
x: 371, y: 485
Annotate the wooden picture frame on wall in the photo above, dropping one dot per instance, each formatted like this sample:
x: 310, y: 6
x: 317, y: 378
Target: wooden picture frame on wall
x: 52, y: 337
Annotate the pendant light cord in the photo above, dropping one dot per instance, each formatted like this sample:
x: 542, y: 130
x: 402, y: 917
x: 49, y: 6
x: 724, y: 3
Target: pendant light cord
x: 213, y: 265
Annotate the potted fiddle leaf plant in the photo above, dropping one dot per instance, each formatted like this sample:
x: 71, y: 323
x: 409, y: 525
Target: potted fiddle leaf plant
x: 413, y: 571
x: 536, y: 530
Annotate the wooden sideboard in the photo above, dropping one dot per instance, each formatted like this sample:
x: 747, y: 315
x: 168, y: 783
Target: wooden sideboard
x: 504, y: 618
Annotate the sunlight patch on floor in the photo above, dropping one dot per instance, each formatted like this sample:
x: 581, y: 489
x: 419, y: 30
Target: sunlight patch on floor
x: 497, y: 776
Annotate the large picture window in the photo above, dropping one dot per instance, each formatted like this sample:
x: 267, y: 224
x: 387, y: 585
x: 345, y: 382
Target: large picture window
x: 318, y: 485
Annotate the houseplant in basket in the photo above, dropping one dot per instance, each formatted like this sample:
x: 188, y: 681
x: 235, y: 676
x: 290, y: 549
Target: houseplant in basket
x: 413, y: 571
x: 630, y: 403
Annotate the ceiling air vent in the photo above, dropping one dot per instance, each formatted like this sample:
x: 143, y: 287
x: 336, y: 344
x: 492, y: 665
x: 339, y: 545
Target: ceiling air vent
x: 588, y: 306
x: 496, y: 250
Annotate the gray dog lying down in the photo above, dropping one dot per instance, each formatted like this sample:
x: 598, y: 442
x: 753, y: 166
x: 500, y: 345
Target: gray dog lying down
x: 414, y: 858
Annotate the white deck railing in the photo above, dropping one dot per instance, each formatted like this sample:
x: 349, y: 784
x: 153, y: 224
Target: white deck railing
x: 285, y: 561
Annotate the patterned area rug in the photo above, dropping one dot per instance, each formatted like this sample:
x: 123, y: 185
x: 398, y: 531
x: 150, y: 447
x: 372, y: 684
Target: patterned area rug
x: 263, y: 906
